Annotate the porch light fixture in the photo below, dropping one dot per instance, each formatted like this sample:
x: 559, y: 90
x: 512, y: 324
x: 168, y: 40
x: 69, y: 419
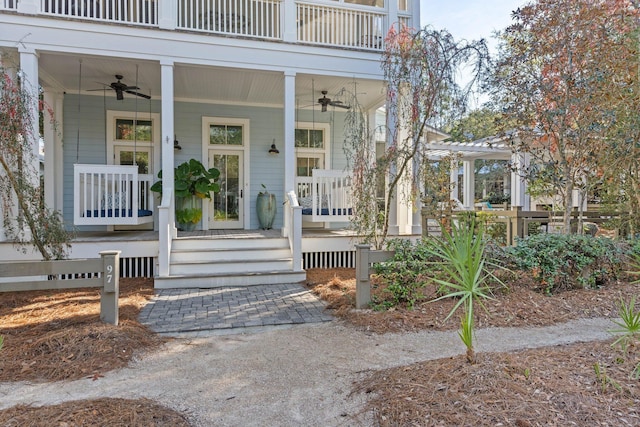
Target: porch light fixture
x: 176, y: 144
x: 273, y: 150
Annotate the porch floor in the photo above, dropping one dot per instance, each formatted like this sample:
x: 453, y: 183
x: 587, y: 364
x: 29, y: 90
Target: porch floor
x: 219, y: 310
x: 132, y: 235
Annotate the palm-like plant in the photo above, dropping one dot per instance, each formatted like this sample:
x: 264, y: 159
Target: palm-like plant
x: 629, y: 326
x: 464, y: 274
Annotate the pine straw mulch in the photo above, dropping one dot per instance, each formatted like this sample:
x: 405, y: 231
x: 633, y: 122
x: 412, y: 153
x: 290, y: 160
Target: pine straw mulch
x: 58, y: 335
x: 550, y: 386
x: 107, y: 412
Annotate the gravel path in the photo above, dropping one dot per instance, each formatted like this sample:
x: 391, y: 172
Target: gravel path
x: 283, y: 376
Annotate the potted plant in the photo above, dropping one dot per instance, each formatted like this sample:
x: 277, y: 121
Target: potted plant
x: 266, y: 208
x: 192, y: 183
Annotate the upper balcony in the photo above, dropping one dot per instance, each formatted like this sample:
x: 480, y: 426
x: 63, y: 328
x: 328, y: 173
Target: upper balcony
x: 359, y: 24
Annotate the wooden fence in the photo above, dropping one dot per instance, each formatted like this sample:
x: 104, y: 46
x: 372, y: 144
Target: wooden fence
x: 100, y: 272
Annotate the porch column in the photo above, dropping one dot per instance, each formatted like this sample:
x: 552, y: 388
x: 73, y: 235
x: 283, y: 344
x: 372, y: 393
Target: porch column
x: 31, y: 7
x: 30, y: 84
x: 10, y: 65
x: 289, y: 125
x: 453, y: 179
x: 53, y: 149
x: 166, y: 213
x: 289, y: 23
x: 469, y: 184
x: 167, y: 14
x: 415, y: 13
x: 393, y: 13
x: 416, y: 212
x: 519, y: 196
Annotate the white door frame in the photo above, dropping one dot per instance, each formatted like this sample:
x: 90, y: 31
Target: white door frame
x: 154, y: 145
x: 246, y: 199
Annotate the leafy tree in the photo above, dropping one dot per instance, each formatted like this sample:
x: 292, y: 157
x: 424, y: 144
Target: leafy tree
x: 619, y: 172
x: 423, y: 91
x: 561, y: 64
x: 34, y: 224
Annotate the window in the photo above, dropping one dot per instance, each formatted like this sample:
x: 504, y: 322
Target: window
x: 309, y: 138
x: 311, y: 147
x: 133, y: 130
x: 305, y: 165
x: 225, y: 135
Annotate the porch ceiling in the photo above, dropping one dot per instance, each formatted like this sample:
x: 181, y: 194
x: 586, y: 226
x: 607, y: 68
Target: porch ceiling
x: 198, y: 83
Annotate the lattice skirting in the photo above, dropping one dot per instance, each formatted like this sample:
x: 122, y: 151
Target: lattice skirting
x: 346, y: 259
x: 137, y: 267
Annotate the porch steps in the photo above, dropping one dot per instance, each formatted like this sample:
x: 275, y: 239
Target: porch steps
x: 210, y: 263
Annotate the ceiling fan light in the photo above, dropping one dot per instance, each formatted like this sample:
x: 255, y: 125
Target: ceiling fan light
x: 119, y: 95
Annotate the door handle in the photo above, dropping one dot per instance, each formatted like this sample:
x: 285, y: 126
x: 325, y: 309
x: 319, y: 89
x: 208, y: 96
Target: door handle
x: 241, y: 193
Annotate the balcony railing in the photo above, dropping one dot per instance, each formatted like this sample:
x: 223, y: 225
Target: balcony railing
x: 8, y: 4
x: 256, y: 18
x: 141, y: 12
x: 316, y: 21
x: 340, y: 26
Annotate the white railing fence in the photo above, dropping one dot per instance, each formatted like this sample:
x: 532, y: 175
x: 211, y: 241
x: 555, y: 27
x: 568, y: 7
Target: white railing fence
x: 111, y: 195
x: 340, y: 26
x: 293, y: 229
x: 143, y: 12
x: 325, y: 196
x: 8, y: 4
x: 258, y: 18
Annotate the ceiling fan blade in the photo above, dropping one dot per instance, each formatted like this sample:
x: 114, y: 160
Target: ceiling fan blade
x: 340, y: 105
x: 142, y: 95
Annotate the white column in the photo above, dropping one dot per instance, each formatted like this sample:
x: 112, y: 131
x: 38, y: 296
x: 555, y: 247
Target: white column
x: 167, y: 16
x: 393, y: 13
x: 519, y: 196
x: 289, y: 125
x: 415, y: 13
x: 29, y: 83
x: 52, y: 148
x: 453, y: 179
x: 468, y: 188
x: 392, y: 132
x: 416, y: 213
x: 289, y: 24
x: 166, y: 215
x: 31, y: 7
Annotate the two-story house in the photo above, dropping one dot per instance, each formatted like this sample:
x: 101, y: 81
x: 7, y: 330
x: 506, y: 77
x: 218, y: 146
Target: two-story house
x: 255, y: 88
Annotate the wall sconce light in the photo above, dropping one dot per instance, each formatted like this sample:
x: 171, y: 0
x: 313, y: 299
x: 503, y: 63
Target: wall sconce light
x: 273, y: 150
x: 176, y: 144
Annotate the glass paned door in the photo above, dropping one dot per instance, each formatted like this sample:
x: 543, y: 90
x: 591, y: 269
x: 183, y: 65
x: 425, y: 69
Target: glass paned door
x: 226, y: 206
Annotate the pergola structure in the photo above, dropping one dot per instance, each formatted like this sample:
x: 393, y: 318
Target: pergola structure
x: 490, y: 148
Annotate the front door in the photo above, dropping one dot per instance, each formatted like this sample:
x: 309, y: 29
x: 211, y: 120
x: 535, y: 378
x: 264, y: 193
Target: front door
x: 226, y: 207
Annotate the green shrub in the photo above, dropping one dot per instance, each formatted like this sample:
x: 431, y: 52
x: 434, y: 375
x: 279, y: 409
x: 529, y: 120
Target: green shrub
x: 571, y: 261
x: 404, y: 275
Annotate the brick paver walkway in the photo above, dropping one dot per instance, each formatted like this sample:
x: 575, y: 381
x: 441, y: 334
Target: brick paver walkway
x: 192, y: 310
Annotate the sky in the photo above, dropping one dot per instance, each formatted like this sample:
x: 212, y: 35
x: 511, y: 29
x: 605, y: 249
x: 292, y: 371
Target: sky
x: 469, y: 19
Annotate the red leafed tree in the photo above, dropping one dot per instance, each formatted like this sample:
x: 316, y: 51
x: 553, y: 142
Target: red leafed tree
x: 562, y: 74
x: 424, y: 88
x: 26, y: 220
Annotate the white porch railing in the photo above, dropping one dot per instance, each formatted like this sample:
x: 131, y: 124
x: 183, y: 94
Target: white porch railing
x: 347, y: 26
x: 293, y: 229
x: 257, y: 18
x: 325, y: 196
x: 316, y: 21
x: 111, y: 195
x: 141, y: 12
x: 8, y: 4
